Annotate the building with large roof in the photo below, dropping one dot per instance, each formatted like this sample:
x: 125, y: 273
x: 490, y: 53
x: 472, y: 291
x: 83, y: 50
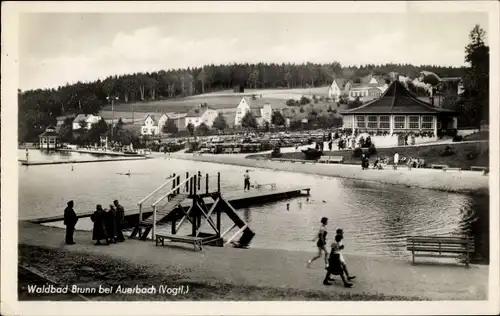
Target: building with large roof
x: 398, y: 112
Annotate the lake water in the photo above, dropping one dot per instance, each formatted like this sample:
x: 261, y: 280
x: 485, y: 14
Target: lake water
x: 376, y: 218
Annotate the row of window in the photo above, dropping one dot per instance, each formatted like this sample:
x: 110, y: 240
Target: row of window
x: 400, y: 121
x: 372, y: 93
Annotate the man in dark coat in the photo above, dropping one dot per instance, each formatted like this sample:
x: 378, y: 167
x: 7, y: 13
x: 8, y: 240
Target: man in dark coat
x: 120, y: 218
x: 70, y: 220
x: 99, y: 230
x: 111, y: 224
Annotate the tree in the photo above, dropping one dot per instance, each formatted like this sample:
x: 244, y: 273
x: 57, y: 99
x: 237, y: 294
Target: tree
x: 354, y: 104
x: 220, y: 122
x: 190, y: 128
x: 169, y: 127
x: 304, y: 100
x: 202, y: 129
x: 249, y: 121
x: 66, y: 130
x: 277, y: 119
x: 474, y: 106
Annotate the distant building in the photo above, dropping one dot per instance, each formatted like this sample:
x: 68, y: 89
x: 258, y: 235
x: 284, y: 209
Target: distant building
x: 370, y: 87
x: 395, y: 113
x: 201, y: 114
x: 153, y: 124
x: 89, y: 119
x: 60, y: 119
x: 260, y: 109
x: 338, y: 88
x: 49, y: 139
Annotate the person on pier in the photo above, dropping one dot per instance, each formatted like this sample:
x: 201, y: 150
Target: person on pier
x: 335, y: 265
x: 70, y: 220
x: 321, y: 243
x: 247, y: 180
x: 99, y: 230
x: 111, y: 224
x: 120, y: 218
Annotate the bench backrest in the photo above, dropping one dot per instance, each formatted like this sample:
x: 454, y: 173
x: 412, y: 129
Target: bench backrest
x: 336, y: 158
x: 186, y: 238
x: 448, y: 242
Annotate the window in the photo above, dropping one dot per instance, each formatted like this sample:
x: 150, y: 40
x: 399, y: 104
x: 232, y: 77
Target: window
x: 414, y: 122
x: 399, y: 121
x: 239, y: 111
x: 348, y: 121
x: 439, y: 124
x: 384, y: 122
x: 360, y: 120
x: 372, y: 121
x: 52, y: 140
x: 427, y: 122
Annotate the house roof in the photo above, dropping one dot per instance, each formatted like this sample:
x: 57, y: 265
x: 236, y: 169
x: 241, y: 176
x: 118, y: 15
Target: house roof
x: 257, y: 103
x: 198, y: 110
x: 63, y: 117
x: 49, y: 131
x: 256, y: 112
x: 341, y: 82
x: 398, y: 100
x: 80, y: 117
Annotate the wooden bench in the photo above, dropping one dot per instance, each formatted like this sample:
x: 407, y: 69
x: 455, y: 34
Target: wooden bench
x: 452, y: 169
x: 237, y: 150
x: 196, y: 241
x: 439, y: 166
x: 485, y: 170
x: 336, y: 159
x: 228, y: 150
x: 440, y: 247
x: 324, y: 159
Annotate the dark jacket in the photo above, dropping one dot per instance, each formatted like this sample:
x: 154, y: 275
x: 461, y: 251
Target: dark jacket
x: 70, y: 217
x: 99, y: 231
x: 111, y: 223
x: 120, y: 215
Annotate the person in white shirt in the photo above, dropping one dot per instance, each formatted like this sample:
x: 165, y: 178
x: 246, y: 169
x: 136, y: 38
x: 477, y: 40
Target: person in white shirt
x: 337, y: 247
x: 247, y: 181
x: 396, y: 159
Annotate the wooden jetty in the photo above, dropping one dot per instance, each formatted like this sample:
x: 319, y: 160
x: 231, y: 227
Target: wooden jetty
x: 102, y: 152
x: 60, y: 162
x: 190, y: 201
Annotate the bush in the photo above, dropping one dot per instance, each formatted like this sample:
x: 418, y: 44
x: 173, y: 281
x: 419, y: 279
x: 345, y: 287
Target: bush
x: 312, y: 154
x: 458, y: 138
x: 447, y: 152
x: 357, y: 152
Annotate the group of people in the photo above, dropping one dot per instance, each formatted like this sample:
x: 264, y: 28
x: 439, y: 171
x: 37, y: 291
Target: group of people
x: 334, y: 263
x: 108, y: 225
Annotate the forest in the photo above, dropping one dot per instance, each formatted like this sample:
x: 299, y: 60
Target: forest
x: 39, y: 108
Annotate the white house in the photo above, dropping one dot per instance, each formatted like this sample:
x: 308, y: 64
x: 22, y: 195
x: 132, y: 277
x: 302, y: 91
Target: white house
x: 338, y: 88
x: 371, y: 87
x: 152, y: 124
x: 87, y: 118
x: 260, y: 109
x: 201, y: 114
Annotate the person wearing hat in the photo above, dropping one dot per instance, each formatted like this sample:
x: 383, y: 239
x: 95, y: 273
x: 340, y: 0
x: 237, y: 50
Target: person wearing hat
x: 120, y: 217
x: 70, y: 220
x: 99, y: 231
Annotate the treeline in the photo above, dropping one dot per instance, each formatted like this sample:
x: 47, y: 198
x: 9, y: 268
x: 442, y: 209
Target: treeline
x: 39, y: 108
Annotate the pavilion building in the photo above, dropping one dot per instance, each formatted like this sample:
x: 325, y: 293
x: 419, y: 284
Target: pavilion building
x: 395, y: 114
x: 49, y: 139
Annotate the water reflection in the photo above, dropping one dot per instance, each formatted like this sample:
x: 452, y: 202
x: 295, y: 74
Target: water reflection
x: 376, y: 218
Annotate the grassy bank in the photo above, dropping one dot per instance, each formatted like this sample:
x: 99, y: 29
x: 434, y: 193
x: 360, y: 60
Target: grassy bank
x: 70, y: 268
x: 462, y: 155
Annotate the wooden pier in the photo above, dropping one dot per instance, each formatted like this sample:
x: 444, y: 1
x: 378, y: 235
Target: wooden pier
x: 238, y: 199
x: 60, y: 162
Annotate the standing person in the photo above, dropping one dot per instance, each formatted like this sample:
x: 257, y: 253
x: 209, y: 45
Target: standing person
x: 340, y: 245
x: 111, y: 224
x: 120, y: 218
x: 70, y: 220
x: 27, y: 155
x: 99, y: 229
x: 321, y: 243
x: 330, y: 145
x: 247, y: 180
x: 396, y: 159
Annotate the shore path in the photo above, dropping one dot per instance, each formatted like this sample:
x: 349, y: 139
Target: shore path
x: 278, y: 268
x: 451, y: 181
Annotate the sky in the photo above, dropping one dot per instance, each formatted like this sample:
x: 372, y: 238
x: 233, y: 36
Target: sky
x: 60, y: 48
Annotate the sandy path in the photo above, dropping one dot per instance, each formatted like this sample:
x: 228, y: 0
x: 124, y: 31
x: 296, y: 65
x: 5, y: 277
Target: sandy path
x: 279, y: 268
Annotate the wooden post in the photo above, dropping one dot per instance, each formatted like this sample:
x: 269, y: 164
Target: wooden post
x: 174, y: 222
x: 199, y: 180
x: 206, y: 184
x: 190, y: 186
x: 218, y: 182
x: 187, y: 185
x: 194, y: 214
x: 218, y: 221
x: 178, y: 184
x: 140, y: 213
x: 173, y: 182
x: 154, y: 222
x: 195, y: 184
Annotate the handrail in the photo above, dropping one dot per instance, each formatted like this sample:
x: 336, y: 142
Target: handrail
x: 156, y: 190
x: 172, y: 190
